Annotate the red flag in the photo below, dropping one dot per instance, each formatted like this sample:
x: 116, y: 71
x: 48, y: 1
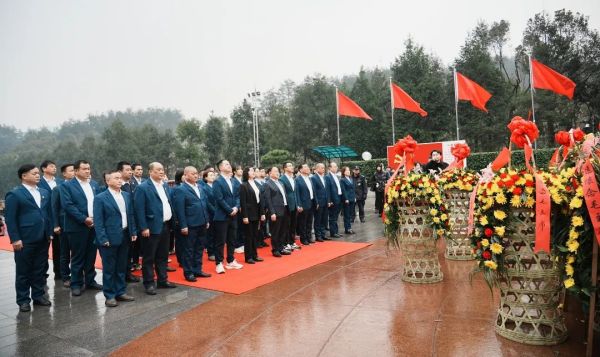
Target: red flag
x: 545, y: 77
x: 502, y: 159
x: 471, y: 91
x: 402, y: 100
x: 348, y: 107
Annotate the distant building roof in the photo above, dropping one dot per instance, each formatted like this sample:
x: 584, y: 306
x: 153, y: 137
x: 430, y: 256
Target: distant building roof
x: 331, y: 152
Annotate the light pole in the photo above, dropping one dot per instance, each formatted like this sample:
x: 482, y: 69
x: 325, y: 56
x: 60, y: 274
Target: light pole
x: 254, y: 98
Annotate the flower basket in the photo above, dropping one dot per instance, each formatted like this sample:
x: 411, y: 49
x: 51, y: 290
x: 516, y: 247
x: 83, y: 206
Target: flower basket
x: 458, y: 247
x: 530, y: 289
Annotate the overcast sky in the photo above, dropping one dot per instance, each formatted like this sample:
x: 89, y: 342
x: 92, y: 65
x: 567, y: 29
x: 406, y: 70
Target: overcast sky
x: 63, y: 60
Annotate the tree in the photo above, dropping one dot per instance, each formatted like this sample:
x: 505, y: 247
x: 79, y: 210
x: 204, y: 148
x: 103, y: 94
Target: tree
x: 191, y: 137
x: 239, y: 137
x: 214, y: 138
x: 276, y: 158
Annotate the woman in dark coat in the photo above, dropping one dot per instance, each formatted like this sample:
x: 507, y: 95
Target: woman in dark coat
x: 252, y: 213
x: 378, y: 185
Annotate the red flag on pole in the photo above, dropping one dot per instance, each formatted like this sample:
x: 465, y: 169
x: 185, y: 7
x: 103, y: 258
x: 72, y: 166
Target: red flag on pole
x: 471, y: 91
x: 401, y: 100
x: 349, y: 108
x: 545, y: 77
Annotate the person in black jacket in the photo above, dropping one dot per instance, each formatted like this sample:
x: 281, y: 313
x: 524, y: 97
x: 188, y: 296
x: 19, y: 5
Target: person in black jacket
x: 378, y: 185
x: 276, y: 207
x: 252, y: 213
x: 361, y: 191
x: 435, y: 165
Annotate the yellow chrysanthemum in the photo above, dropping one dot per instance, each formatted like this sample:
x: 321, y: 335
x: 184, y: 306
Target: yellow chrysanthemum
x: 485, y: 242
x: 577, y: 221
x: 491, y: 264
x: 515, y: 201
x: 432, y: 200
x: 387, y: 221
x: 499, y: 215
x: 444, y: 217
x: 576, y: 202
x: 530, y: 202
x: 440, y: 232
x: 436, y: 219
x: 483, y: 221
x: 433, y: 211
x: 572, y: 245
x: 500, y: 198
x: 579, y: 191
x: 496, y: 248
x: 573, y: 234
x: 569, y: 282
x: 570, y: 259
x: 569, y: 270
x: 500, y: 231
x: 404, y: 194
x: 529, y: 190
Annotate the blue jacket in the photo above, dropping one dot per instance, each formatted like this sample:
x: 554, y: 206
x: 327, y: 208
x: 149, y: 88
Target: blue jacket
x: 225, y: 199
x: 44, y: 184
x: 290, y: 193
x: 348, y: 193
x: 320, y: 191
x: 58, y: 212
x: 26, y: 221
x: 303, y: 194
x: 108, y: 220
x: 148, y: 207
x: 332, y: 189
x: 74, y: 202
x: 190, y: 210
x: 210, y: 199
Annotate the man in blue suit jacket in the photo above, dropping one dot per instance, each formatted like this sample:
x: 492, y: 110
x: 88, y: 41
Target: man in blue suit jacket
x: 153, y: 213
x: 58, y: 218
x: 287, y: 180
x: 227, y: 198
x: 124, y: 167
x: 192, y: 220
x: 48, y: 181
x: 321, y: 202
x: 348, y: 199
x: 29, y: 223
x: 335, y: 199
x: 78, y: 203
x: 305, y: 201
x: 115, y: 228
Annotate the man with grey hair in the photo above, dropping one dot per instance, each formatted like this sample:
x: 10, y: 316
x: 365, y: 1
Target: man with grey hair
x: 322, y: 199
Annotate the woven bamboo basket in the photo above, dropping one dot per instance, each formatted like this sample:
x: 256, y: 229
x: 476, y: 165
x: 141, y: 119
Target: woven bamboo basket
x: 458, y: 245
x: 531, y: 291
x: 417, y: 245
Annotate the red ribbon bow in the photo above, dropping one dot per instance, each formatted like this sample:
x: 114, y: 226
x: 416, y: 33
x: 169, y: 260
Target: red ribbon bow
x: 521, y: 130
x: 405, y: 148
x: 460, y: 152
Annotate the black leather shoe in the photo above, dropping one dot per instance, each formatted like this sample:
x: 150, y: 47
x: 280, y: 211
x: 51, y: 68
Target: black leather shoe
x: 203, y: 275
x: 125, y: 297
x: 166, y: 285
x: 42, y: 302
x: 132, y: 279
x: 336, y: 236
x: 285, y: 252
x: 191, y: 278
x: 250, y: 261
x: 24, y: 307
x: 258, y: 259
x: 362, y: 220
x: 277, y: 254
x: 75, y: 292
x: 319, y: 239
x: 349, y: 232
x: 94, y: 286
x: 111, y: 303
x: 150, y: 290
x: 67, y: 283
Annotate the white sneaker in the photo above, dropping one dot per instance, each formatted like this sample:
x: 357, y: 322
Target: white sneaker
x: 239, y: 250
x: 234, y: 265
x: 296, y: 246
x: 220, y: 269
x: 288, y: 247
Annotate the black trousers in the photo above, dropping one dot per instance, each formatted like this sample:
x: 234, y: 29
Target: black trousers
x: 320, y: 220
x: 334, y: 214
x: 360, y: 204
x: 239, y: 235
x: 134, y: 253
x: 292, y: 227
x: 155, y: 255
x: 279, y: 231
x: 225, y: 232
x: 304, y: 223
x: 83, y: 257
x: 379, y: 201
x: 251, y: 237
x: 65, y: 256
x: 56, y: 255
x: 30, y: 278
x: 192, y: 247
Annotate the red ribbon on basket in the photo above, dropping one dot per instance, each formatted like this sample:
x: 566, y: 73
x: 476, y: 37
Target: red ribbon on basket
x: 460, y: 152
x: 592, y: 196
x: 404, y: 151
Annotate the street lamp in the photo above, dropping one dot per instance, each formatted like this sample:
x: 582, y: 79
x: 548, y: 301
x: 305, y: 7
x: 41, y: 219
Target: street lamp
x: 254, y: 98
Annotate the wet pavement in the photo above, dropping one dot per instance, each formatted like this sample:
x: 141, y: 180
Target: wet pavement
x: 354, y: 305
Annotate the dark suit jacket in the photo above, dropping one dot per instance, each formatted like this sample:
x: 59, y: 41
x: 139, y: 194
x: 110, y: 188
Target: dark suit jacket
x: 148, y: 207
x: 107, y: 219
x: 360, y: 187
x: 225, y: 199
x: 190, y: 210
x: 44, y: 184
x: 26, y: 221
x: 332, y: 189
x: 290, y: 194
x: 74, y: 203
x: 274, y: 203
x: 320, y: 191
x: 134, y: 184
x: 58, y: 212
x: 251, y: 209
x: 303, y: 194
x: 348, y: 193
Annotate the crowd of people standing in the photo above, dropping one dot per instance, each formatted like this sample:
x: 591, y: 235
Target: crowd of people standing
x: 131, y: 217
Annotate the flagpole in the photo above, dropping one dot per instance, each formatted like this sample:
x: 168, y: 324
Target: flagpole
x: 532, y: 102
x: 337, y: 114
x: 392, y: 101
x: 456, y: 104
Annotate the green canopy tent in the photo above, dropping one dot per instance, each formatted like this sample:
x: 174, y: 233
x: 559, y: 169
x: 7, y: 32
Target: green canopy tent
x: 335, y: 152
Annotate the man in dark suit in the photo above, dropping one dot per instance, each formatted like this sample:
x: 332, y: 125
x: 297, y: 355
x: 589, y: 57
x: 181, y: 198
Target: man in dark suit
x: 78, y: 203
x: 287, y: 180
x: 48, y: 181
x: 190, y: 204
x: 124, y: 167
x: 29, y: 223
x: 335, y: 199
x: 135, y: 247
x: 137, y: 176
x: 115, y: 228
x: 227, y: 198
x: 153, y: 213
x: 277, y: 210
x: 321, y: 202
x: 305, y: 201
x: 361, y: 191
x: 58, y: 219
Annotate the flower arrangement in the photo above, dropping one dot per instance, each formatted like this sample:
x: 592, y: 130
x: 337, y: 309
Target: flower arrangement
x: 458, y: 179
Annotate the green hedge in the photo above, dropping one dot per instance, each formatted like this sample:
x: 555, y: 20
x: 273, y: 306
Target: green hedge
x: 476, y: 161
